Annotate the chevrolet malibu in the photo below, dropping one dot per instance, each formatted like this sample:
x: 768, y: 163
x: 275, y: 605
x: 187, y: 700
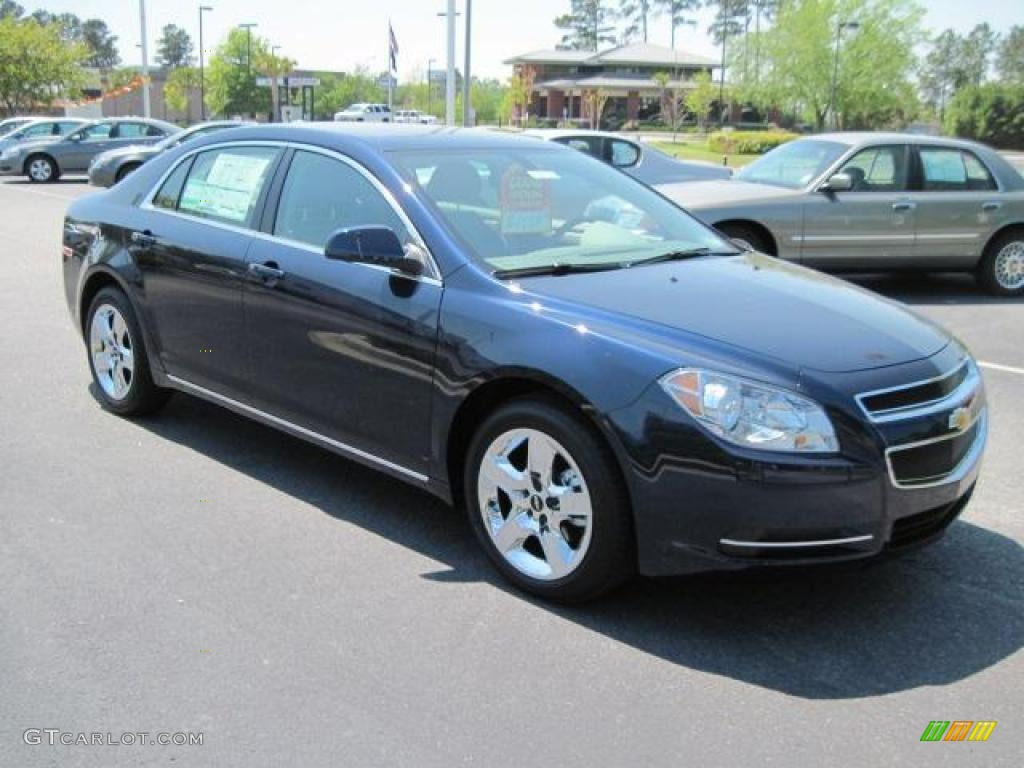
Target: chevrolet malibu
x: 607, y: 385
x: 876, y: 202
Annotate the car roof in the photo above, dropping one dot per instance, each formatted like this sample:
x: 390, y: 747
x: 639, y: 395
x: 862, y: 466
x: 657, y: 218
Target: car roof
x: 856, y: 138
x: 379, y: 137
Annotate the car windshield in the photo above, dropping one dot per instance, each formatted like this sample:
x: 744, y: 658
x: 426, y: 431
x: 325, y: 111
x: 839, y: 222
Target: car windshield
x: 794, y: 164
x: 528, y: 208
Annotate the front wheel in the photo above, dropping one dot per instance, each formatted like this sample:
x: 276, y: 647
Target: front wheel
x: 117, y: 356
x: 1001, y: 271
x: 547, y: 502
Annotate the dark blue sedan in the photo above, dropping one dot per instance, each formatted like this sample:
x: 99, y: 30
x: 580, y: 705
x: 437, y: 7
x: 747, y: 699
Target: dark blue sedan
x: 603, y: 382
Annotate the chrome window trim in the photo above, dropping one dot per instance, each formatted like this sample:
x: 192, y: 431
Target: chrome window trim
x: 927, y: 408
x: 434, y: 278
x: 960, y: 471
x: 790, y: 544
x: 272, y: 420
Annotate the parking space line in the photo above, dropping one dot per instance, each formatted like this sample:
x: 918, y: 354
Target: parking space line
x: 1003, y: 368
x: 41, y: 192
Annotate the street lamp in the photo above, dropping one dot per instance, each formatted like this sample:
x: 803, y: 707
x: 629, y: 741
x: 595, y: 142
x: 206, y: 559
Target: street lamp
x: 430, y: 85
x: 248, y: 61
x: 275, y: 90
x: 202, y: 75
x: 832, y: 103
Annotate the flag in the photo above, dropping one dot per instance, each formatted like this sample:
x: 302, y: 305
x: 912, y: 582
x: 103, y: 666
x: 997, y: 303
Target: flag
x: 392, y: 48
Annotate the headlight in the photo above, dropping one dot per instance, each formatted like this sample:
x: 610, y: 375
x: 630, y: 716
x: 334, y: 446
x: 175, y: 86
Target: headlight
x: 750, y: 414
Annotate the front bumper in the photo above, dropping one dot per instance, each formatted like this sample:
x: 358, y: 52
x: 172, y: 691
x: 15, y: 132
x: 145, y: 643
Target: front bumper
x: 699, y: 505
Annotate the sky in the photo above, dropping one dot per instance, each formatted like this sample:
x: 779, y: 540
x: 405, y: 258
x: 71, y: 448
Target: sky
x: 343, y: 34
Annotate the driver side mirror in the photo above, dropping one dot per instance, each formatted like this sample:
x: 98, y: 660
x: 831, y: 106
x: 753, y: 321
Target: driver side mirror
x: 378, y: 246
x: 838, y: 182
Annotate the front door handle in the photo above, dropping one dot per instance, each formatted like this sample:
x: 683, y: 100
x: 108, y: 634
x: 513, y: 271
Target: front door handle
x: 904, y: 205
x: 991, y: 206
x: 144, y: 239
x: 267, y: 271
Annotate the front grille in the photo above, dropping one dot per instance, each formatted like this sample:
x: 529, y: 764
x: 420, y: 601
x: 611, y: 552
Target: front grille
x: 914, y: 395
x: 924, y: 525
x: 927, y: 463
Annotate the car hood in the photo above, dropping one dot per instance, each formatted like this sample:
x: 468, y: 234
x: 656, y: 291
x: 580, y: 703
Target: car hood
x: 770, y: 308
x: 710, y: 194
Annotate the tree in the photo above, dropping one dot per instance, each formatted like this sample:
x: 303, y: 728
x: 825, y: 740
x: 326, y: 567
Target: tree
x: 520, y: 91
x: 700, y: 98
x: 586, y: 26
x: 594, y: 101
x: 231, y: 77
x: 102, y: 45
x: 36, y: 66
x: 179, y: 86
x: 940, y: 73
x: 174, y: 48
x: 338, y: 91
x: 676, y: 11
x: 10, y: 10
x: 992, y: 113
x: 1010, y: 57
x: 875, y: 60
x: 636, y: 14
x: 976, y: 52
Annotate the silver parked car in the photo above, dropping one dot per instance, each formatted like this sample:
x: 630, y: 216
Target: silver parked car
x: 108, y: 168
x: 45, y: 159
x: 641, y: 161
x: 875, y: 202
x: 42, y: 128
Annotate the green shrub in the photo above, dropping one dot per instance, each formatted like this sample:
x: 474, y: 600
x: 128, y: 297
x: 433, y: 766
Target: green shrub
x: 747, y: 142
x: 992, y: 113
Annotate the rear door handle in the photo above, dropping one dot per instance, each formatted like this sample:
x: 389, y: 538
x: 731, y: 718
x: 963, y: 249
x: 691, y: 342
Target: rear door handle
x: 267, y: 272
x: 905, y: 205
x: 143, y: 239
x: 991, y: 206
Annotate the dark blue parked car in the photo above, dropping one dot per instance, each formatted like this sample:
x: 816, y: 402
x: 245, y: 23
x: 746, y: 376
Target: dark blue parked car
x: 605, y: 383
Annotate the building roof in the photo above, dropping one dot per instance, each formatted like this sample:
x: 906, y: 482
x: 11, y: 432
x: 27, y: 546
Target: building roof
x: 644, y: 54
x: 609, y: 82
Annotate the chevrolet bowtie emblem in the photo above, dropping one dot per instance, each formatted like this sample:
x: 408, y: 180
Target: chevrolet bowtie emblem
x: 960, y: 419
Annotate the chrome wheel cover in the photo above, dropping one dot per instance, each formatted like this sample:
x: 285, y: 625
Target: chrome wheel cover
x: 40, y: 169
x: 112, y: 351
x: 535, y: 504
x: 1009, y: 266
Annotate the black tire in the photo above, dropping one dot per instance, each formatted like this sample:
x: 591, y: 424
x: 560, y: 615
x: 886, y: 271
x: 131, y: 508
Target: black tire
x: 744, y: 235
x: 986, y: 273
x: 125, y: 170
x: 143, y: 396
x: 610, y: 558
x: 35, y: 178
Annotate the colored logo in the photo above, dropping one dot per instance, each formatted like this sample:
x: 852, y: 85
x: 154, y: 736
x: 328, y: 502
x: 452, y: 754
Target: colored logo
x: 958, y: 730
x: 960, y: 419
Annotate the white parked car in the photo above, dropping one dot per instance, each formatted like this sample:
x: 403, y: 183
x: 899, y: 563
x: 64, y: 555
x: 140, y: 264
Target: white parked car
x: 364, y: 113
x: 414, y: 116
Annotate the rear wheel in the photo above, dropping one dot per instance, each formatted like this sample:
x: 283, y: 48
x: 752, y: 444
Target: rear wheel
x: 41, y: 169
x: 117, y: 356
x: 1001, y: 271
x: 547, y: 503
x: 745, y: 237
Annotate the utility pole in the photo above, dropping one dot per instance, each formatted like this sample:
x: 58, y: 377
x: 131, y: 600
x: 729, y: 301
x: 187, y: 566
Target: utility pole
x: 202, y: 72
x: 275, y: 90
x: 833, y: 106
x: 467, y: 80
x: 145, y: 60
x: 248, y: 62
x: 430, y: 85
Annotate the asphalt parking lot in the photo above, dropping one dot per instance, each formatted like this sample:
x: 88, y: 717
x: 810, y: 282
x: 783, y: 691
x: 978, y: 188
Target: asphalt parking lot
x: 196, y: 572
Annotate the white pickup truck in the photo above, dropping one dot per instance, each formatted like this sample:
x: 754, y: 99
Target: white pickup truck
x: 364, y: 113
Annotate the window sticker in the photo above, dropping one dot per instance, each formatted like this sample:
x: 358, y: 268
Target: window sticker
x: 230, y: 188
x: 525, y: 203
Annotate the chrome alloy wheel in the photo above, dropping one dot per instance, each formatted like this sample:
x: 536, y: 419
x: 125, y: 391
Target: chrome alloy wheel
x: 40, y: 169
x: 535, y: 504
x: 110, y: 345
x: 1009, y: 266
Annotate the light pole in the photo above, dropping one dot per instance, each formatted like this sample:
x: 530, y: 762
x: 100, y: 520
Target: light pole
x: 467, y: 107
x: 430, y: 85
x: 832, y: 104
x: 202, y: 73
x: 248, y: 62
x: 275, y: 90
x: 449, y: 105
x: 145, y: 60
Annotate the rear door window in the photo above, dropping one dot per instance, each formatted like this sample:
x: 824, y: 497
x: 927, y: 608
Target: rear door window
x: 225, y: 184
x: 954, y: 170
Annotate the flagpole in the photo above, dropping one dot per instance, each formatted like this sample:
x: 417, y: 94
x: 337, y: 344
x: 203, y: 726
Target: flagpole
x: 391, y: 61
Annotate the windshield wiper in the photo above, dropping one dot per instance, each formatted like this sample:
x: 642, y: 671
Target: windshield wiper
x: 557, y: 269
x: 680, y: 255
